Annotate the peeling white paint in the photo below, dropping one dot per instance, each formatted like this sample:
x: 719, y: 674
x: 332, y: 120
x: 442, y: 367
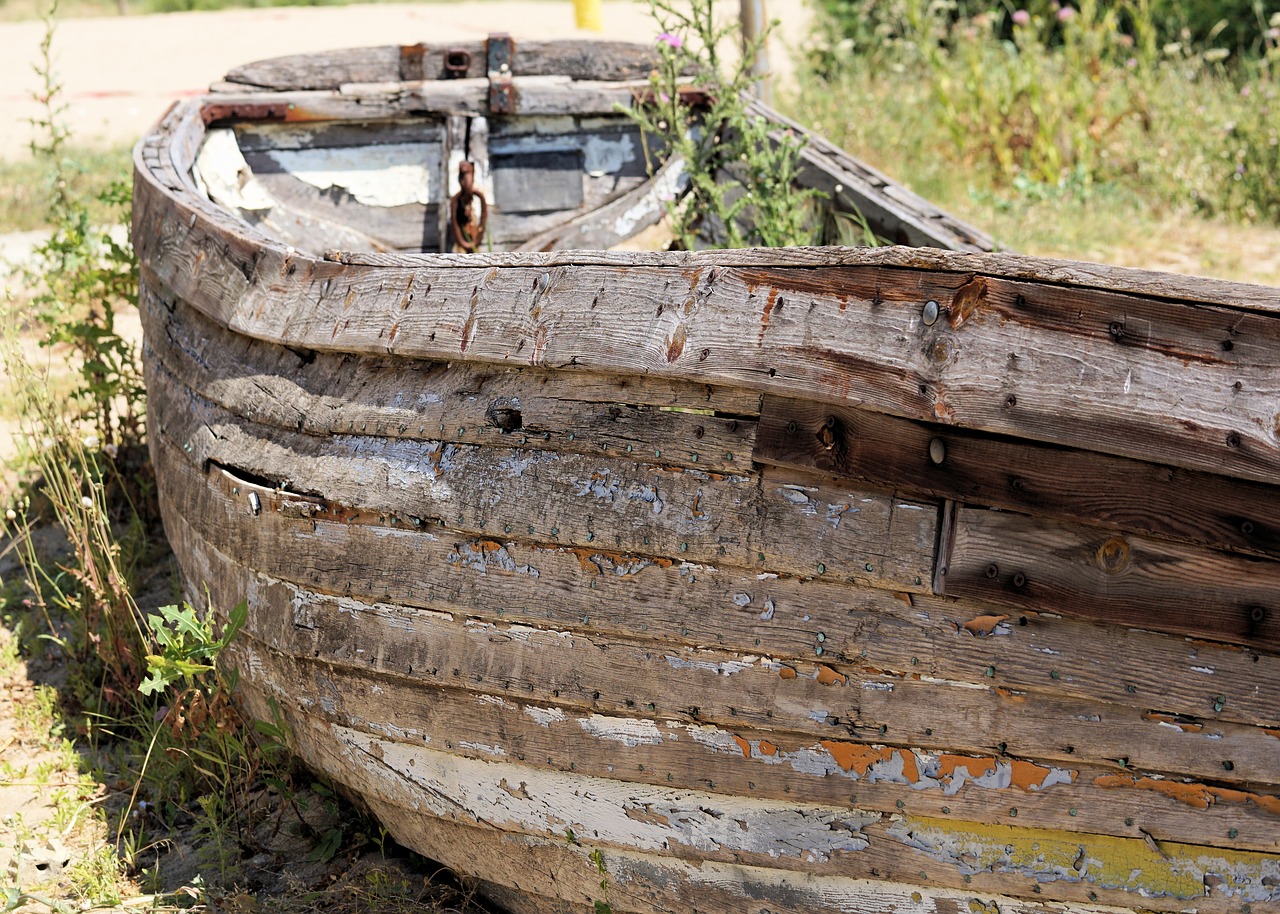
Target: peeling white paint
x: 720, y: 668
x: 483, y: 747
x: 395, y: 174
x: 667, y: 185
x: 631, y: 732
x: 225, y: 177
x: 635, y: 816
x: 545, y: 717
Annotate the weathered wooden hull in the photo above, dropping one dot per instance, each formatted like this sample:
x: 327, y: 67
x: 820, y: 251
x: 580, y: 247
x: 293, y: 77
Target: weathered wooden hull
x: 790, y: 581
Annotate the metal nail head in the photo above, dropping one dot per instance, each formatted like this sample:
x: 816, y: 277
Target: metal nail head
x: 930, y: 313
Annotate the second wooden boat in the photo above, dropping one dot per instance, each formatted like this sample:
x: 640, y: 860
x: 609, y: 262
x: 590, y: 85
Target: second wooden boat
x: 808, y: 580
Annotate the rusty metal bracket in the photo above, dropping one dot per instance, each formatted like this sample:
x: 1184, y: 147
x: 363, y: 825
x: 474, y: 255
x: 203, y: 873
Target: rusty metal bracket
x: 500, y: 53
x: 466, y: 227
x: 457, y: 61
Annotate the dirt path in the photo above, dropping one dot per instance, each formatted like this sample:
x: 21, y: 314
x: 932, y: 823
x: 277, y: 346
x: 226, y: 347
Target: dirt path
x: 120, y: 74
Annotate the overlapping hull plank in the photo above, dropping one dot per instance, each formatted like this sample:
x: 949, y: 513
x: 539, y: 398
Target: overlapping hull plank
x: 811, y: 580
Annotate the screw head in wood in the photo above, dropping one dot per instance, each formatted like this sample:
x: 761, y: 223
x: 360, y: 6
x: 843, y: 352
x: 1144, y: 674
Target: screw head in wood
x: 937, y: 451
x: 930, y: 313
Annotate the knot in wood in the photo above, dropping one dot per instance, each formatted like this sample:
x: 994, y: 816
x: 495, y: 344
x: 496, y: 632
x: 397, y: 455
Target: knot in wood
x: 827, y: 432
x: 1113, y: 555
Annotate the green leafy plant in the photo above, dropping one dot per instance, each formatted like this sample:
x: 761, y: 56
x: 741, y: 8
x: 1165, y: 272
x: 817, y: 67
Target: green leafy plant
x: 740, y: 170
x: 189, y: 645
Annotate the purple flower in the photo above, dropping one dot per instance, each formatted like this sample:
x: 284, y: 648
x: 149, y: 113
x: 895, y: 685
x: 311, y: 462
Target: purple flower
x: 1021, y: 17
x: 673, y: 41
x: 1065, y: 14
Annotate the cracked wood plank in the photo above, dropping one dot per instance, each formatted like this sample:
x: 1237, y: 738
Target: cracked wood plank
x: 842, y: 698
x: 1200, y: 686
x: 322, y: 393
x: 899, y: 366
x: 775, y: 523
x: 744, y: 762
x: 957, y: 856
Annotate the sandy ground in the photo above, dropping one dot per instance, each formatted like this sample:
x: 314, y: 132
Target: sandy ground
x: 120, y: 74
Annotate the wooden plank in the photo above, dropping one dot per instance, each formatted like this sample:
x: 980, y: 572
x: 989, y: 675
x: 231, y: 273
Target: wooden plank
x: 483, y: 314
x: 1019, y: 475
x: 614, y: 222
x: 324, y: 394
x: 577, y: 59
x: 792, y: 524
x: 917, y: 852
x: 780, y: 684
x: 768, y: 765
x: 1199, y: 685
x: 1029, y: 563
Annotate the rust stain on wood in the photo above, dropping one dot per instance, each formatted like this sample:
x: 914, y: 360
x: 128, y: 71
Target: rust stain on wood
x: 966, y: 301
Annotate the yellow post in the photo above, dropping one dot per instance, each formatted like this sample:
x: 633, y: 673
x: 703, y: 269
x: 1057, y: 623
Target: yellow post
x: 587, y: 15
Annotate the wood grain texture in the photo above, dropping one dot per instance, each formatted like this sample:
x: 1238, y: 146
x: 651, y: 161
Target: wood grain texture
x: 1020, y: 475
x: 538, y: 594
x: 327, y: 394
x: 715, y: 658
x: 1202, y: 685
x: 900, y: 367
x: 897, y: 849
x: 587, y: 502
x: 1023, y: 562
x: 739, y: 761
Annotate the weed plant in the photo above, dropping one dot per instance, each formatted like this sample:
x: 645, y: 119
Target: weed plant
x: 146, y: 693
x: 740, y: 170
x: 1051, y: 103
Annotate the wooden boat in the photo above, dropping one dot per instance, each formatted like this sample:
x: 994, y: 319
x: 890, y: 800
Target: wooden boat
x: 805, y: 580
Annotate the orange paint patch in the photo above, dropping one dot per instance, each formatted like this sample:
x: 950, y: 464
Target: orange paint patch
x: 984, y: 625
x: 827, y: 676
x: 1011, y: 695
x: 787, y: 673
x: 768, y: 748
x: 910, y: 770
x: 743, y: 745
x: 1027, y: 775
x: 977, y: 767
x: 1171, y: 720
x: 1198, y: 796
x: 855, y: 757
x: 1275, y: 733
